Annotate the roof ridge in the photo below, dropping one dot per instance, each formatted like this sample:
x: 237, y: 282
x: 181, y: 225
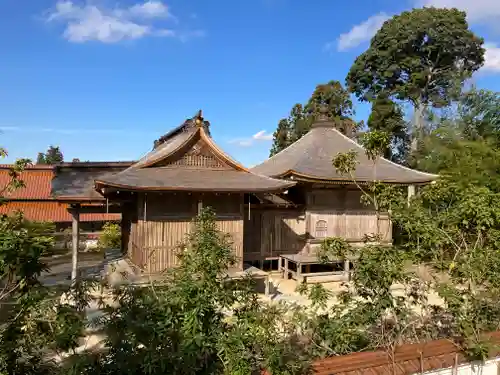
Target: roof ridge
x: 29, y: 166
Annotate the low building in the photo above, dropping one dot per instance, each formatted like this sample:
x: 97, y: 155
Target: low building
x: 36, y: 202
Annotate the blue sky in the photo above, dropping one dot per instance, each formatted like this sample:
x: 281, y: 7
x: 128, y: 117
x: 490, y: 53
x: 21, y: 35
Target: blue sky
x: 104, y: 78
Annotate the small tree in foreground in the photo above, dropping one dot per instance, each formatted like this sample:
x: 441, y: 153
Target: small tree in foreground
x: 197, y: 320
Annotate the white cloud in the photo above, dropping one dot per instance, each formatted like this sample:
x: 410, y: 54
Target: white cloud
x: 262, y: 136
x: 88, y: 22
x: 359, y: 33
x: 478, y: 11
x: 257, y: 137
x: 492, y: 58
x: 150, y: 9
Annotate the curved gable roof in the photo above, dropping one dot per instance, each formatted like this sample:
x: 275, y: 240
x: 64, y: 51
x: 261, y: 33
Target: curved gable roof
x: 163, y: 169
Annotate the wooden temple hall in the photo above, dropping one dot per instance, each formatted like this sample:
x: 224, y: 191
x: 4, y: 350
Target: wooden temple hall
x: 280, y: 210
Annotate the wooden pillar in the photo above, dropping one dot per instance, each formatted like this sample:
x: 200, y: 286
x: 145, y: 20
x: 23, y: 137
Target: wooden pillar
x: 266, y: 287
x: 411, y: 192
x: 200, y: 206
x: 285, y: 273
x: 347, y: 271
x: 300, y: 278
x: 75, y: 239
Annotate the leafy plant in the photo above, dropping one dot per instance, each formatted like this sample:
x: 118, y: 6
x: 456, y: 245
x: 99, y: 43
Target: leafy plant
x: 110, y: 237
x: 422, y: 56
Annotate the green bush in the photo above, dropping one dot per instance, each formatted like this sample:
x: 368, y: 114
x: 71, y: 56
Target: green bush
x: 110, y: 237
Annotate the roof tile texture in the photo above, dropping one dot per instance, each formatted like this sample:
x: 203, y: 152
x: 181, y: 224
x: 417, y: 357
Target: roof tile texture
x: 51, y: 211
x: 37, y: 180
x: 35, y: 199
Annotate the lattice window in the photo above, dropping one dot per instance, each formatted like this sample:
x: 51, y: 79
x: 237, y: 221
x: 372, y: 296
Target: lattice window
x: 321, y: 229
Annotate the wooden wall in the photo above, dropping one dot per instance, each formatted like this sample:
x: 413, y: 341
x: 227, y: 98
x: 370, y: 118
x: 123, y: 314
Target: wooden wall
x: 165, y: 220
x: 271, y: 232
x: 342, y: 214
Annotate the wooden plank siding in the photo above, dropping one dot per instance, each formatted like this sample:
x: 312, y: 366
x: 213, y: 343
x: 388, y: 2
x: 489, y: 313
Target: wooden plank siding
x: 351, y: 225
x: 165, y: 221
x: 345, y: 215
x: 271, y: 232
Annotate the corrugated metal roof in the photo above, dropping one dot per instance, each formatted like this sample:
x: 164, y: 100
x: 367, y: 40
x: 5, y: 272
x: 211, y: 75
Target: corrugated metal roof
x: 51, y: 211
x: 37, y: 182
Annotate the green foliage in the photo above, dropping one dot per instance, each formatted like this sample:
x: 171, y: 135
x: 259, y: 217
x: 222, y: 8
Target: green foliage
x: 281, y: 137
x: 21, y: 246
x: 479, y: 115
x: 334, y: 97
x: 110, y: 237
x: 198, y: 320
x: 464, y: 144
x: 421, y: 55
x: 35, y: 325
x: 53, y: 155
x: 452, y: 227
x: 388, y: 117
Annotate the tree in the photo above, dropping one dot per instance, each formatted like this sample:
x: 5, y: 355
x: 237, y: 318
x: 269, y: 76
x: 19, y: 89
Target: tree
x: 335, y: 98
x: 451, y: 226
x: 198, y: 320
x: 331, y: 95
x: 281, y: 137
x: 421, y: 56
x: 75, y: 160
x: 387, y: 116
x: 53, y: 155
x: 463, y: 143
x: 478, y: 114
x: 40, y: 159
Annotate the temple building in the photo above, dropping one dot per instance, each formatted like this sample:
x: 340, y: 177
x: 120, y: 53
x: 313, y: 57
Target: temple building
x: 286, y: 205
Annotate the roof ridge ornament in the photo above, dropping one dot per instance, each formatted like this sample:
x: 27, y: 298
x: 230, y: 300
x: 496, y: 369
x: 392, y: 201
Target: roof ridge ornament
x: 322, y: 119
x: 198, y: 119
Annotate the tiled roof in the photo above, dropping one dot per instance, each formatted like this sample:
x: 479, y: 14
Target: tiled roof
x: 35, y: 198
x: 37, y: 180
x: 75, y: 182
x: 51, y: 211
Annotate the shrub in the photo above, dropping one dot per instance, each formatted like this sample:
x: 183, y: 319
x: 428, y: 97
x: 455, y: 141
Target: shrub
x: 110, y: 237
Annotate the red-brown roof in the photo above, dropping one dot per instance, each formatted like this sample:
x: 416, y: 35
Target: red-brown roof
x: 37, y: 180
x: 51, y: 211
x: 35, y: 199
x: 405, y: 360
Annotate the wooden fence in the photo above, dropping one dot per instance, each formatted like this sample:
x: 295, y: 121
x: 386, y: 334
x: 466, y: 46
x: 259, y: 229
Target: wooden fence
x: 439, y: 357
